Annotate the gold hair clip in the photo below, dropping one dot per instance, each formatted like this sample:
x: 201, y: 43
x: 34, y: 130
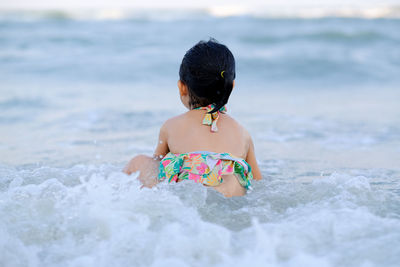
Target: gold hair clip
x: 222, y: 74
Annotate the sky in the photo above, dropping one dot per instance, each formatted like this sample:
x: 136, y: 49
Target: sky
x: 61, y: 4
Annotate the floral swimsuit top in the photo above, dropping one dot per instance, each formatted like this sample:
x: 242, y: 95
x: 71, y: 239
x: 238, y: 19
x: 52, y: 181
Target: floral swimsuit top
x: 203, y: 166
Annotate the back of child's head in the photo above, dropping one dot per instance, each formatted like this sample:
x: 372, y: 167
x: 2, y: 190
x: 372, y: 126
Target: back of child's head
x: 208, y: 70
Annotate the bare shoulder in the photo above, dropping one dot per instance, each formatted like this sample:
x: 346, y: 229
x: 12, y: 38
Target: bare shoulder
x: 234, y: 123
x: 173, y: 122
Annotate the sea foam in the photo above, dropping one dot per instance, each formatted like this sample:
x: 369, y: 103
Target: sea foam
x: 100, y: 216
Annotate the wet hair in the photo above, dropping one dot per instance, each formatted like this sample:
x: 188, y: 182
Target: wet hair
x: 208, y: 70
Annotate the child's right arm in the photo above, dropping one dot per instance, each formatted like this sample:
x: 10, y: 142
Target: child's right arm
x: 162, y: 146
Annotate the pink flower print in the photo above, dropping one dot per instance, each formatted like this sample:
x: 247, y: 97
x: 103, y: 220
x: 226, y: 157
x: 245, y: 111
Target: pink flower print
x: 219, y: 163
x: 194, y: 177
x: 166, y: 162
x: 202, y: 168
x: 229, y: 169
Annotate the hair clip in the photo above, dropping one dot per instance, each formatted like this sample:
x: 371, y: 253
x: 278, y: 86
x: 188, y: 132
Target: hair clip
x: 222, y: 74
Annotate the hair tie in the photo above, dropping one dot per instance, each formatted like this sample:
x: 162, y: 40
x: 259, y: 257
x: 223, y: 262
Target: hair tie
x: 222, y: 74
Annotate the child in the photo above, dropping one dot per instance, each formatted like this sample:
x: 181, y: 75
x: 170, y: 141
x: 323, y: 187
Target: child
x: 204, y: 144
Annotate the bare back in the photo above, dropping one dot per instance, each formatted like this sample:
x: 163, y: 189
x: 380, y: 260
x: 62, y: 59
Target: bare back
x: 186, y: 133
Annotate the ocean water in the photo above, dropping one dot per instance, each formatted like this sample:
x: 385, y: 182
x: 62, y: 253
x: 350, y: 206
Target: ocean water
x: 80, y: 96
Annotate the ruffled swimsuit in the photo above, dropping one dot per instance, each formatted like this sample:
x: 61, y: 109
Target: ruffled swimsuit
x: 203, y: 166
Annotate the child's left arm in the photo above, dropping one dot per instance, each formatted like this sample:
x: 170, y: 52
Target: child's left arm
x: 148, y: 166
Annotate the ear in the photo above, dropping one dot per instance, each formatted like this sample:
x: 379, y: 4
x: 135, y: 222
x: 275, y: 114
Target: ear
x: 183, y: 90
x: 233, y: 84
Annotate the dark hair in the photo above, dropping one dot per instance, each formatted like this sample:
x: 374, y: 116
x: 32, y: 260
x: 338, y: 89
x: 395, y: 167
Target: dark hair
x: 208, y: 70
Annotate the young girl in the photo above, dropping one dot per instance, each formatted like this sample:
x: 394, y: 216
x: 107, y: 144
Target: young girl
x: 204, y: 144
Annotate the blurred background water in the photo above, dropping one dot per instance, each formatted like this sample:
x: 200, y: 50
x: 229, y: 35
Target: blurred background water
x: 79, y: 96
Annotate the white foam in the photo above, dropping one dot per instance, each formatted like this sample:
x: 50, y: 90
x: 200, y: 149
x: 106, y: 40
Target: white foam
x: 103, y: 218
